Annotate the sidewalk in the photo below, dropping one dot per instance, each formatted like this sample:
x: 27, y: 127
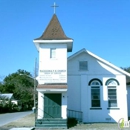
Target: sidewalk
x: 7, y: 118
x: 24, y: 123
x: 23, y: 128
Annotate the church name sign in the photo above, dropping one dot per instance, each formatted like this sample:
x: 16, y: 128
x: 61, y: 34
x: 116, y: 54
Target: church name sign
x: 53, y: 76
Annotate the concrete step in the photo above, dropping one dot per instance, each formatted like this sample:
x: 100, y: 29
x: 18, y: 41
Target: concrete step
x: 51, y: 123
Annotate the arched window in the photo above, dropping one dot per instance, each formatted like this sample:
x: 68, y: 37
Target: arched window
x: 95, y: 79
x: 112, y: 81
x: 112, y: 92
x: 95, y: 93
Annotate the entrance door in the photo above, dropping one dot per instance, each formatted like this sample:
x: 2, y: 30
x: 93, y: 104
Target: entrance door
x: 52, y: 105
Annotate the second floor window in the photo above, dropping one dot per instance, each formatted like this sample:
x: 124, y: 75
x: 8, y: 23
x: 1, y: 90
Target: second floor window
x: 53, y: 53
x: 83, y: 65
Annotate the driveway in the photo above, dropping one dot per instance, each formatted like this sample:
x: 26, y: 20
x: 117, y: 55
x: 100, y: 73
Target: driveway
x: 9, y: 117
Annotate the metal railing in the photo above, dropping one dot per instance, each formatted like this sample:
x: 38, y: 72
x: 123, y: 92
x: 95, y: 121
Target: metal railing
x: 75, y: 114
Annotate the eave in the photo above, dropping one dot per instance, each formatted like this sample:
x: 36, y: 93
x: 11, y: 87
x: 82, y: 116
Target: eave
x: 69, y: 43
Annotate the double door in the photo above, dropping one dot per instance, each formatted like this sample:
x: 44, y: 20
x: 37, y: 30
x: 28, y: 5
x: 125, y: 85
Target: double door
x: 52, y: 105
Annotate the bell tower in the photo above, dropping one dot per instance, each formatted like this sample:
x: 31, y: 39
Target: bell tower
x: 53, y: 46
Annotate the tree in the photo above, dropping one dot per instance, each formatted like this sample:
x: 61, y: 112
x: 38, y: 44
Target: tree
x: 127, y: 69
x: 1, y: 87
x: 21, y: 85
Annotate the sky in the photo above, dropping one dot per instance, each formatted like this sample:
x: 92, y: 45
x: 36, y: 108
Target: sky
x: 100, y: 26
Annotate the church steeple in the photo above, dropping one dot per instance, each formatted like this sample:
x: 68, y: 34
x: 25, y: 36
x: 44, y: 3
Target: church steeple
x: 53, y: 31
x: 54, y: 34
x: 53, y: 46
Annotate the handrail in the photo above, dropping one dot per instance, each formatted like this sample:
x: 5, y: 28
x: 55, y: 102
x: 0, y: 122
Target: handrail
x: 75, y: 114
x: 70, y: 114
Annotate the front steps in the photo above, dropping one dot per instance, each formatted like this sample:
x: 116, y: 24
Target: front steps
x: 51, y: 123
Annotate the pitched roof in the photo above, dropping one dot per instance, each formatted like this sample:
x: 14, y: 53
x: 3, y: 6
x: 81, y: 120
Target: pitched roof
x: 100, y: 59
x: 7, y: 95
x: 53, y: 31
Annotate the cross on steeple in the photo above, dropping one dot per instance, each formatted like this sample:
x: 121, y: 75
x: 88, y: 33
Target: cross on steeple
x: 54, y: 6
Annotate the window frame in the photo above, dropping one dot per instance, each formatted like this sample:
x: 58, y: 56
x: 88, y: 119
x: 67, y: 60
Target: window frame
x: 95, y: 85
x: 112, y: 96
x: 81, y: 68
x: 52, y: 53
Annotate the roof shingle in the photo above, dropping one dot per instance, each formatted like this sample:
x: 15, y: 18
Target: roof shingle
x: 53, y: 31
x: 47, y: 86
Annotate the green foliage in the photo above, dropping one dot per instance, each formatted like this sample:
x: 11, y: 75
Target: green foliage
x: 1, y: 86
x: 127, y: 69
x: 21, y: 85
x: 8, y: 106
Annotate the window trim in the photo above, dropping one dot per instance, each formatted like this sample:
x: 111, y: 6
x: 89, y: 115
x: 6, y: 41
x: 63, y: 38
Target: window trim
x: 93, y: 80
x: 112, y: 79
x: 115, y: 94
x: 95, y: 108
x: 98, y: 86
x: 86, y: 66
x: 52, y: 55
x: 110, y: 85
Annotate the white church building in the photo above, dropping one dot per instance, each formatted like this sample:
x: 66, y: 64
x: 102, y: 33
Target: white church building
x: 83, y: 86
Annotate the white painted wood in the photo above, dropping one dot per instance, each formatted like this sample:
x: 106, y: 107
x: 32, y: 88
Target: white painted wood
x: 54, y: 71
x: 128, y: 99
x: 78, y: 85
x: 78, y: 95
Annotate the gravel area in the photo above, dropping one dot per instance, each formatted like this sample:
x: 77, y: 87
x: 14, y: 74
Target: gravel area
x: 28, y: 122
x: 93, y: 126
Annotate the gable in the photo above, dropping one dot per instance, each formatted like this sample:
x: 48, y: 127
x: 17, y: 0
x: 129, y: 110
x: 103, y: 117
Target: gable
x: 96, y: 65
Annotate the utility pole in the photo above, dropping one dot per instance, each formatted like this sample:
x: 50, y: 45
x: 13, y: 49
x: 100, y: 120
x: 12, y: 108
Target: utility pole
x: 35, y: 84
x: 35, y: 109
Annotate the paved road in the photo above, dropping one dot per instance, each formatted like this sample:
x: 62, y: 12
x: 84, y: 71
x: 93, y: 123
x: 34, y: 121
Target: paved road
x: 9, y: 117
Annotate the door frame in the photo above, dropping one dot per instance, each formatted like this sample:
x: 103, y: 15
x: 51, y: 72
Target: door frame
x: 53, y: 106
